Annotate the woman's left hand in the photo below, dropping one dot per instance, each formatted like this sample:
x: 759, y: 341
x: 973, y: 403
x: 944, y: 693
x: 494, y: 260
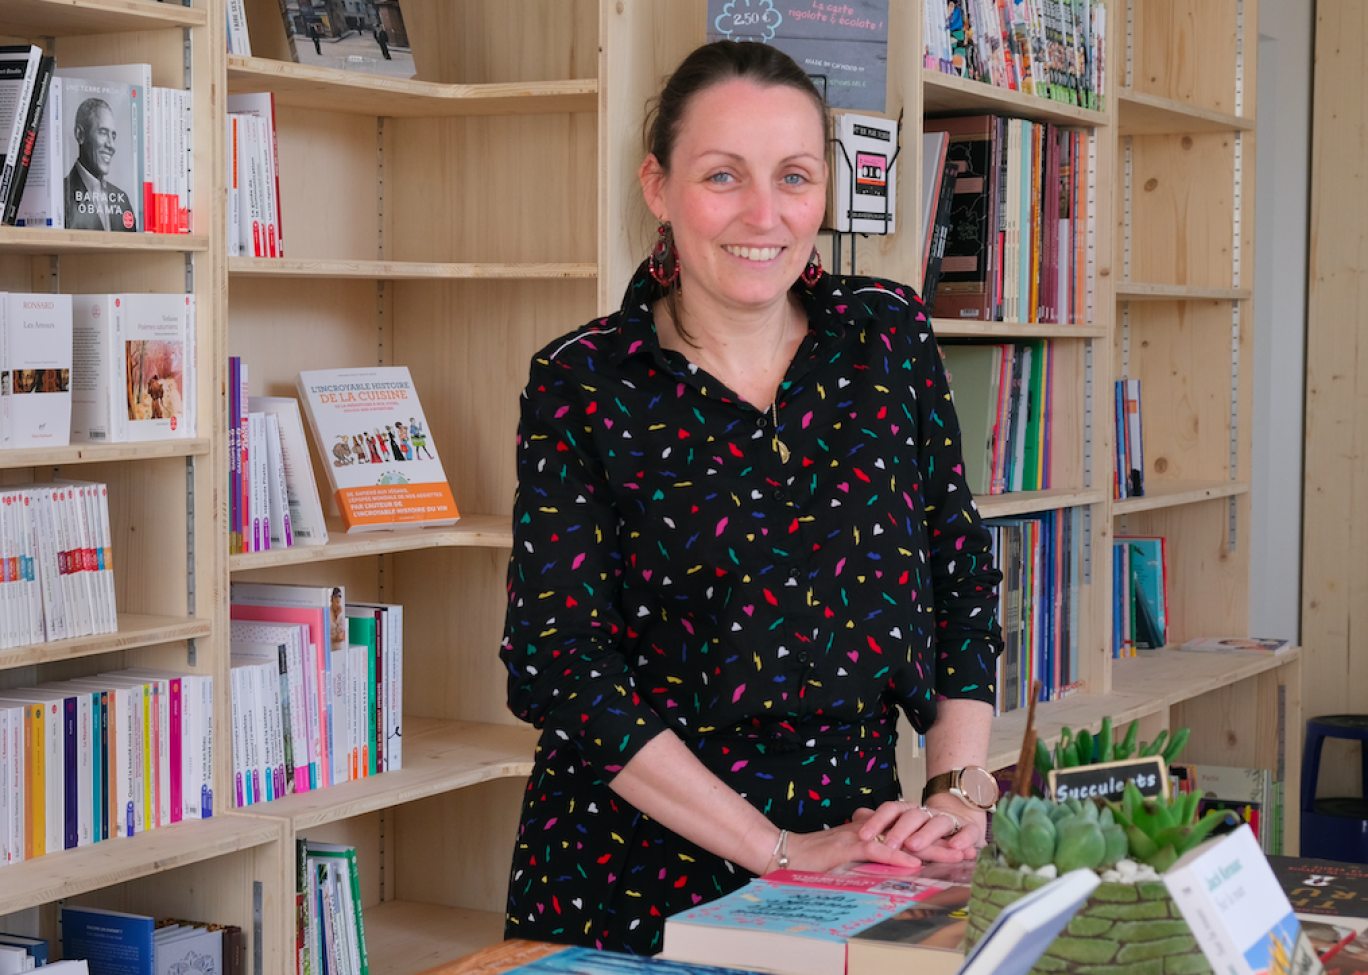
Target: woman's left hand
x: 944, y: 830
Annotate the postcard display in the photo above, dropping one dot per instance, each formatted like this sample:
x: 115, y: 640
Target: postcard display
x: 393, y: 262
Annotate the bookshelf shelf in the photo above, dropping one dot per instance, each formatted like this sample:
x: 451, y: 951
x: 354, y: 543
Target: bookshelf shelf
x: 439, y: 757
x: 482, y: 531
x: 1026, y: 502
x: 330, y: 90
x: 943, y: 93
x: 101, y: 453
x: 134, y: 631
x: 406, y: 270
x: 43, y: 240
x: 949, y: 328
x: 403, y: 937
x: 1161, y: 495
x: 45, y: 18
x: 72, y: 872
x: 1134, y: 291
x: 1139, y: 113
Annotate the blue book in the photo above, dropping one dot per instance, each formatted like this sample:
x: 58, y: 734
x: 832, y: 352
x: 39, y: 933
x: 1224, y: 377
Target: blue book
x: 112, y: 942
x: 1024, y: 930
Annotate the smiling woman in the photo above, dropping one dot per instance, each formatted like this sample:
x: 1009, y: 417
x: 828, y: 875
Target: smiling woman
x: 742, y: 543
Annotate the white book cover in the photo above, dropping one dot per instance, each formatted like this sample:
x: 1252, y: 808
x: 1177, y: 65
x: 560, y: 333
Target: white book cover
x: 33, y: 546
x: 1237, y: 909
x: 260, y: 527
x: 53, y: 827
x: 239, y: 41
x: 55, y: 625
x: 102, y: 154
x: 242, y: 795
x: 158, y: 366
x: 232, y: 172
x: 13, y: 782
x: 304, y: 509
x: 864, y: 186
x: 35, y: 370
x: 189, y: 951
x: 278, y: 505
x: 42, y: 202
x: 377, y: 407
x: 13, y: 625
x: 6, y: 850
x: 268, y: 685
x: 138, y: 76
x: 392, y: 677
x: 344, y: 721
x: 245, y: 634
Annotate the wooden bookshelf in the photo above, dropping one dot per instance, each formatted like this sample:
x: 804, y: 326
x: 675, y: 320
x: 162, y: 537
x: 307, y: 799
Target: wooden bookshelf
x: 406, y: 270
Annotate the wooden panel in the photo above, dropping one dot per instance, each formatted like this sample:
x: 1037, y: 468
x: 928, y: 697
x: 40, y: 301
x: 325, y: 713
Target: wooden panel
x: 483, y: 41
x: 1181, y: 209
x: 406, y: 936
x: 1183, y: 50
x: 473, y: 412
x: 507, y: 204
x: 38, y: 20
x: 337, y: 216
x: 1335, y: 536
x: 1181, y: 354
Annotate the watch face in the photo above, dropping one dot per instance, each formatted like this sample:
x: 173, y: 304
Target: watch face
x: 978, y: 786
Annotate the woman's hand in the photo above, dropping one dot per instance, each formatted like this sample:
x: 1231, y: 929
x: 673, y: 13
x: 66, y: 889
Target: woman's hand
x: 827, y: 849
x: 944, y: 830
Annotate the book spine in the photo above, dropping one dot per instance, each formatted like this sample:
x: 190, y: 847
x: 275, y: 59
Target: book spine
x: 28, y: 140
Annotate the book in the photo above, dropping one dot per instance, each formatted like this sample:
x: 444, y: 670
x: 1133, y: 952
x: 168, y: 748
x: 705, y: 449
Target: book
x: 304, y: 509
x: 963, y: 291
x: 42, y: 202
x: 20, y: 66
x: 591, y: 961
x: 187, y: 949
x: 37, y: 948
x: 863, y: 186
x: 1246, y: 794
x: 261, y: 105
x: 112, y: 942
x: 974, y: 372
x: 102, y: 152
x: 924, y: 936
x: 789, y: 921
x: 1148, y: 579
x: 35, y: 370
x: 939, y: 233
x: 380, y: 407
x: 1324, y: 888
x: 933, y: 166
x: 1024, y: 929
x: 1236, y: 908
x: 1254, y: 645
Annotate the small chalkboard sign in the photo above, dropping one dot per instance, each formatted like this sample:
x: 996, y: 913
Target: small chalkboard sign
x: 1108, y: 780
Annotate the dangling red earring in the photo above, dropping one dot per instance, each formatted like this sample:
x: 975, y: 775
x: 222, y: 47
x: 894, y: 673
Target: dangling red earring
x: 813, y: 272
x: 663, y: 264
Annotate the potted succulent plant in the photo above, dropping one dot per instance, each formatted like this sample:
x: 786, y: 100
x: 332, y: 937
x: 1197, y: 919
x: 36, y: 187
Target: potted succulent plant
x: 1130, y: 924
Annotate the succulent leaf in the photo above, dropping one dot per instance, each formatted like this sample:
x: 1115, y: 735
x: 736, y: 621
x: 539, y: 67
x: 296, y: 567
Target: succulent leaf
x: 1127, y: 747
x: 1117, y: 845
x: 1085, y: 747
x: 1176, y: 744
x: 1104, y: 741
x: 1037, y: 842
x: 1081, y: 844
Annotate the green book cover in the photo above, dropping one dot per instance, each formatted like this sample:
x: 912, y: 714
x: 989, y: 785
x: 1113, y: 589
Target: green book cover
x: 361, y: 633
x: 974, y: 373
x: 1037, y: 417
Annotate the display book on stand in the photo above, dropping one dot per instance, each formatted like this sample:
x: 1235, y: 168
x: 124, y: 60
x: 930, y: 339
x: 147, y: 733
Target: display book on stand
x: 58, y: 172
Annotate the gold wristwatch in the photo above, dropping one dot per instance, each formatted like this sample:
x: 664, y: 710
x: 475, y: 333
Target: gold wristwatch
x: 972, y: 785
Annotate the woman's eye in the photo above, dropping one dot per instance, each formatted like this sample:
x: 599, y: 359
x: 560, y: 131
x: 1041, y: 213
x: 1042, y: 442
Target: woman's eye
x: 720, y: 178
x: 795, y: 179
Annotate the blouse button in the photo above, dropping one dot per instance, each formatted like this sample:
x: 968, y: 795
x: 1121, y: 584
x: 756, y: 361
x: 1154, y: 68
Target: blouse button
x: 779, y: 495
x: 761, y: 421
x: 795, y: 572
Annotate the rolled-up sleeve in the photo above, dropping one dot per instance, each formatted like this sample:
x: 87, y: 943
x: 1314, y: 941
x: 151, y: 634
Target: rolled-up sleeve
x: 563, y: 630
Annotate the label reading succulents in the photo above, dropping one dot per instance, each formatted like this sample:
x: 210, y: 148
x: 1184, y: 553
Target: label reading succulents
x: 1108, y: 780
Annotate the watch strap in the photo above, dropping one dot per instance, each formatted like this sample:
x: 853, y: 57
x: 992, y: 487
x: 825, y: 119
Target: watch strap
x: 937, y: 784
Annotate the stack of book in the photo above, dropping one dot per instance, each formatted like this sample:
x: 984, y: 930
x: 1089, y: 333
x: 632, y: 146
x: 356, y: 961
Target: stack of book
x: 1041, y: 559
x: 25, y: 85
x: 1017, y: 222
x: 57, y: 557
x: 317, y: 689
x: 1247, y: 795
x: 94, y: 758
x: 1048, y: 48
x: 1140, y: 594
x: 1002, y: 396
x: 331, y: 929
x: 254, y: 224
x: 118, y: 941
x: 1330, y: 899
x: 1129, y: 471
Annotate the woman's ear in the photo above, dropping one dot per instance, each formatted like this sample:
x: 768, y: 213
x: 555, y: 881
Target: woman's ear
x: 652, y: 177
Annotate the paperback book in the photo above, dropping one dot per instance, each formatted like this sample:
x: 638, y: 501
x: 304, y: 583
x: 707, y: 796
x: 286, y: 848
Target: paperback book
x: 102, y: 148
x: 35, y: 370
x: 377, y: 447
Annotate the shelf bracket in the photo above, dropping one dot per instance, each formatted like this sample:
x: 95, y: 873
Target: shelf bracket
x: 1088, y: 351
x: 1130, y: 44
x: 1087, y: 543
x: 257, y: 917
x: 191, y: 649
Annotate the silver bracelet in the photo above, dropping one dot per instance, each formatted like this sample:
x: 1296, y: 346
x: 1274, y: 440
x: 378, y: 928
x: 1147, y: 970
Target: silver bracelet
x: 781, y: 850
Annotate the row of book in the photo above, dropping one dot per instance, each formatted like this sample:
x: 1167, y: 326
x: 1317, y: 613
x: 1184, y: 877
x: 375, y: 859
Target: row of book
x: 1016, y: 230
x: 94, y: 758
x: 1041, y: 559
x: 330, y: 926
x: 56, y: 563
x: 273, y: 499
x: 122, y: 943
x: 317, y: 689
x: 95, y: 147
x: 1129, y: 477
x: 1139, y: 594
x: 1049, y: 48
x: 1002, y: 394
x: 96, y: 368
x: 254, y: 223
x: 1247, y: 795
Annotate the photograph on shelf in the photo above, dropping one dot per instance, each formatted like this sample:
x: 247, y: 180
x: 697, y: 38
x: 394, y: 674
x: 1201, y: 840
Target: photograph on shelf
x: 369, y: 38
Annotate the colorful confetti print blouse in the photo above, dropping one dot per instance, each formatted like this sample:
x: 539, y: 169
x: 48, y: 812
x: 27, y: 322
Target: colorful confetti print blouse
x: 671, y: 570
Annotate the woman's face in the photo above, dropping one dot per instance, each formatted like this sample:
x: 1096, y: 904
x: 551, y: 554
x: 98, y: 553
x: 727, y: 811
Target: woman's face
x: 745, y: 192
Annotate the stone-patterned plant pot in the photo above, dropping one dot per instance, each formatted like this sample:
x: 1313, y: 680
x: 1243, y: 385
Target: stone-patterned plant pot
x: 1122, y: 929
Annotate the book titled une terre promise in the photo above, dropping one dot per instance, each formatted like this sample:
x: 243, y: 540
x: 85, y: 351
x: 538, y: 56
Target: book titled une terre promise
x: 377, y: 447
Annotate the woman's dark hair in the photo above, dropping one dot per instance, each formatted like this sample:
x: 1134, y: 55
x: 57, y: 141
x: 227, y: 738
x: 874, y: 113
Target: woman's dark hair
x: 713, y: 64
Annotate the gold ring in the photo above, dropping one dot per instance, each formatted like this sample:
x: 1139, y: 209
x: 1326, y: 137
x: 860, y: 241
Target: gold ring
x: 879, y: 838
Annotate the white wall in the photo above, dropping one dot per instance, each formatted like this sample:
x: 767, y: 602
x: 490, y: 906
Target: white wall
x: 1279, y: 282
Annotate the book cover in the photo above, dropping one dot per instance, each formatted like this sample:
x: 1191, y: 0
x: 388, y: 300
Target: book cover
x: 188, y: 950
x: 379, y: 408
x: 1236, y: 908
x: 28, y: 143
x: 42, y: 202
x: 1324, y: 888
x: 925, y: 936
x: 19, y: 70
x: 590, y: 961
x: 35, y: 370
x: 101, y: 154
x: 304, y: 508
x: 973, y: 372
x: 113, y: 942
x: 863, y: 184
x: 963, y: 291
x: 1254, y: 645
x: 795, y: 927
x: 1024, y: 929
x: 158, y: 366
